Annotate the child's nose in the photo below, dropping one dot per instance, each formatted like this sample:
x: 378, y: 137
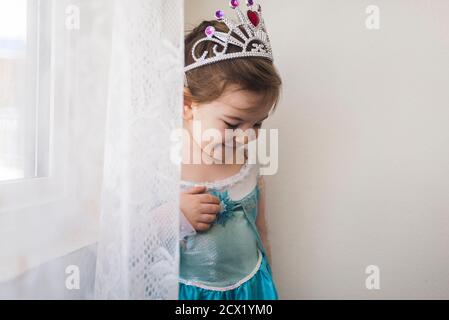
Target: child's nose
x: 245, y: 137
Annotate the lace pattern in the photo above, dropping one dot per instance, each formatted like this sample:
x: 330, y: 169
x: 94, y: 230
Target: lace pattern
x: 138, y: 248
x: 223, y: 184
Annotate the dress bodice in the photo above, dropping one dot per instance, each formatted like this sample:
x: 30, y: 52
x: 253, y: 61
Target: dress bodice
x: 230, y: 250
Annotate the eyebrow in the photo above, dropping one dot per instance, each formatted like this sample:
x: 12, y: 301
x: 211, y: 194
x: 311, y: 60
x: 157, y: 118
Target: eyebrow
x: 239, y: 119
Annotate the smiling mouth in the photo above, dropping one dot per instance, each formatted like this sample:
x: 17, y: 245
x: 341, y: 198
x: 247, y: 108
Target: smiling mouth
x: 236, y: 145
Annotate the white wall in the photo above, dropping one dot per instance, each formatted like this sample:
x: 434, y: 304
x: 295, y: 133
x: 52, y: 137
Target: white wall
x: 364, y: 147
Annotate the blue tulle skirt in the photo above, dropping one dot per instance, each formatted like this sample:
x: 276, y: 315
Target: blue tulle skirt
x: 260, y: 287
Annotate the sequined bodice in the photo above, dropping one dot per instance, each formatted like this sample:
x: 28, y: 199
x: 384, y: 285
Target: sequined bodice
x: 228, y: 251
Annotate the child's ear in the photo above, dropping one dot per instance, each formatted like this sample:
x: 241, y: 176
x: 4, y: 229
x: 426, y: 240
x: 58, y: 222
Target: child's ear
x: 187, y: 105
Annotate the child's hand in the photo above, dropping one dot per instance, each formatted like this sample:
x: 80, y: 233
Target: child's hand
x: 199, y: 207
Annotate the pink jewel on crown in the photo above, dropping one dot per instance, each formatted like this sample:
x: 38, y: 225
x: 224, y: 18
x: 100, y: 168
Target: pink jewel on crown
x: 234, y: 4
x: 209, y: 31
x: 248, y: 33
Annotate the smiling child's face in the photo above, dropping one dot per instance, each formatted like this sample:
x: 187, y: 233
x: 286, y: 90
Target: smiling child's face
x: 235, y: 109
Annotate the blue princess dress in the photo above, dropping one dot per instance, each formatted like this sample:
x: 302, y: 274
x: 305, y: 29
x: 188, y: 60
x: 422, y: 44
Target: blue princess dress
x: 228, y: 261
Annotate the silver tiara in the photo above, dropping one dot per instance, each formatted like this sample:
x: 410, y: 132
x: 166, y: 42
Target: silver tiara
x: 254, y: 42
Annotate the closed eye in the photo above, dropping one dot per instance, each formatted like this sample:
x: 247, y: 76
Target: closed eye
x: 230, y: 125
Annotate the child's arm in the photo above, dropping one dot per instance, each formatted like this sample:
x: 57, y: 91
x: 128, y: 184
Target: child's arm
x: 260, y: 220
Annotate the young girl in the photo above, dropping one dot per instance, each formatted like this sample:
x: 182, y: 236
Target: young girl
x: 231, y: 83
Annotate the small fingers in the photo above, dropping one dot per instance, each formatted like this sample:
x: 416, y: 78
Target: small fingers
x: 201, y: 226
x: 208, y: 198
x: 207, y: 218
x: 210, y: 208
x: 196, y: 190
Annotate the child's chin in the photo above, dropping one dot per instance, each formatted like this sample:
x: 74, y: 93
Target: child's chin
x: 230, y: 152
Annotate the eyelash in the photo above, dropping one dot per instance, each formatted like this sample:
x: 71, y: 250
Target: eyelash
x: 234, y: 126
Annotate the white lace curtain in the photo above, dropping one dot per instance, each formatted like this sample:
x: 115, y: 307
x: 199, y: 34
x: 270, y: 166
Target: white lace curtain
x: 137, y: 255
x: 111, y: 195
